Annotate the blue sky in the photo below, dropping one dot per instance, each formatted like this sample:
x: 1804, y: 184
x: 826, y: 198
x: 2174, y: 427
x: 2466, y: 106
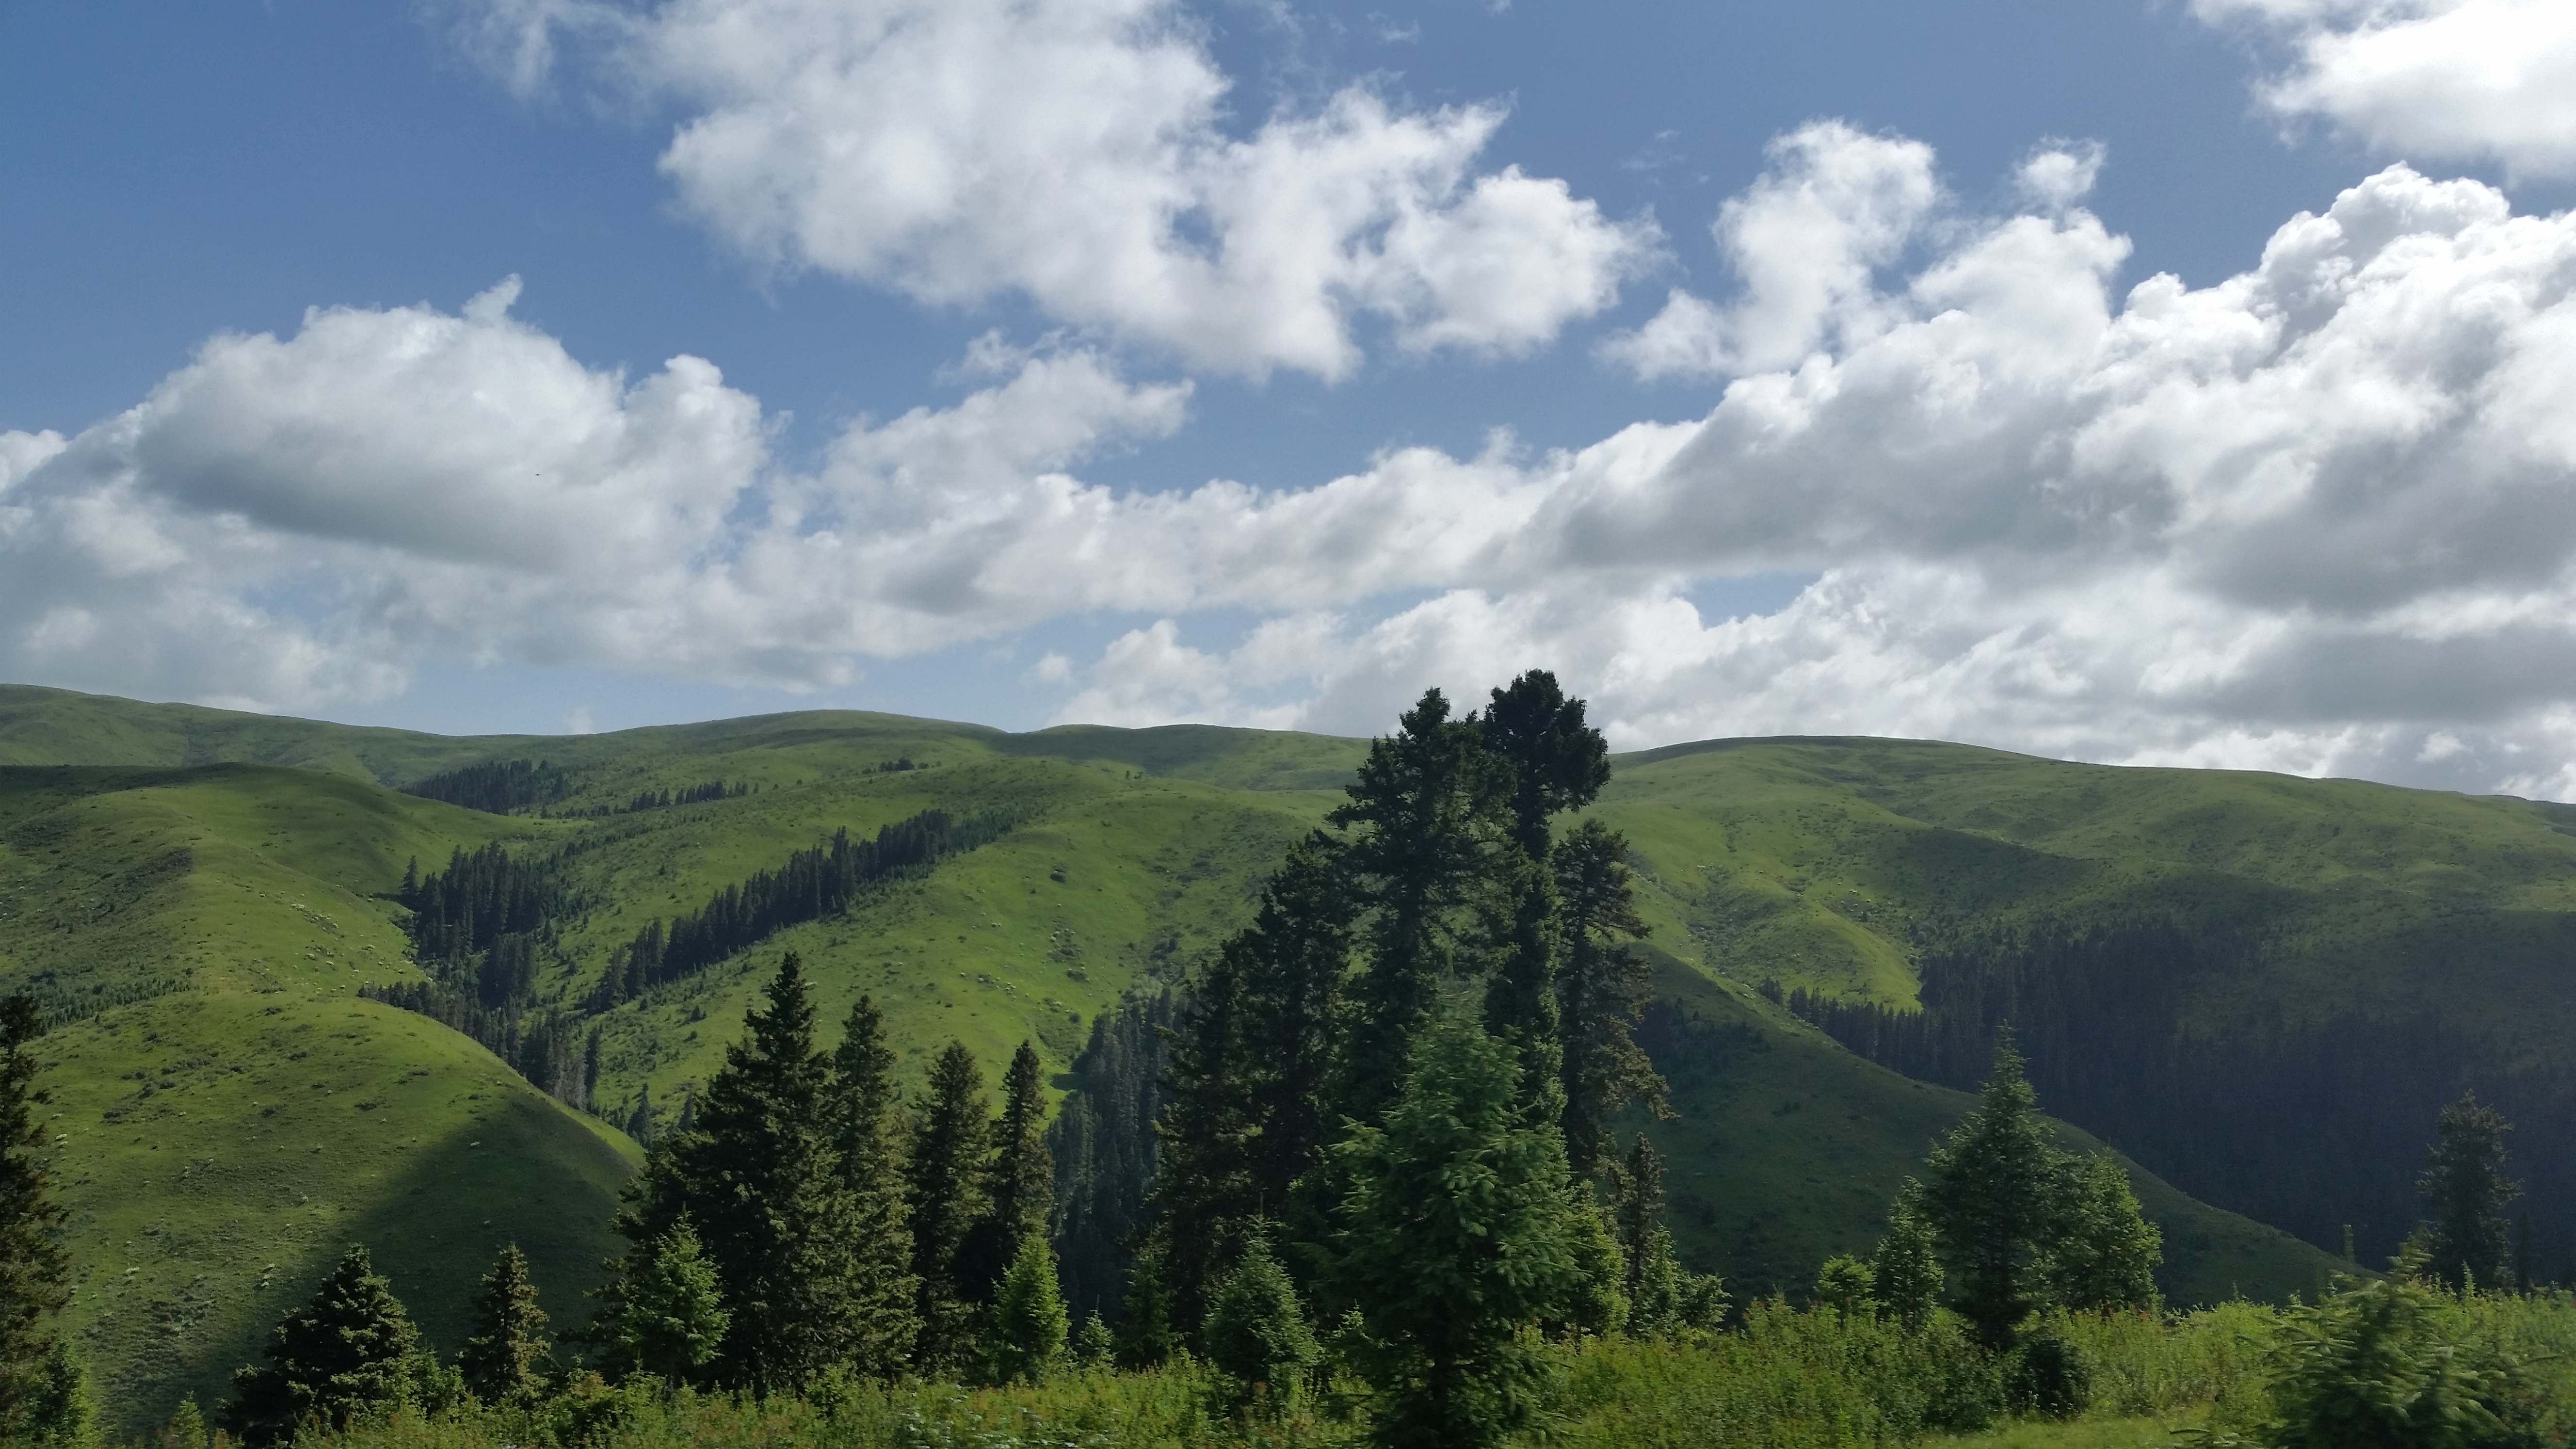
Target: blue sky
x: 976, y: 301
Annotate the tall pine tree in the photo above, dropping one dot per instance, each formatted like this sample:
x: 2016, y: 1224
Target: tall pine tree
x: 2467, y: 1189
x: 1019, y: 1183
x: 1992, y: 1195
x: 504, y: 1361
x: 347, y: 1351
x: 1429, y: 814
x: 34, y: 1274
x: 1556, y: 763
x: 1205, y: 1189
x: 1602, y: 989
x: 868, y: 1151
x: 759, y: 1177
x: 944, y: 1198
x: 1454, y: 1245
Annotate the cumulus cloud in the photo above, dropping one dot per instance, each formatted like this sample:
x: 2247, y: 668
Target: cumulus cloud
x: 2453, y: 80
x: 1079, y: 153
x: 1807, y: 241
x: 2320, y: 516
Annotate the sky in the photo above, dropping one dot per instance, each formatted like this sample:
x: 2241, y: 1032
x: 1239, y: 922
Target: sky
x: 2142, y: 381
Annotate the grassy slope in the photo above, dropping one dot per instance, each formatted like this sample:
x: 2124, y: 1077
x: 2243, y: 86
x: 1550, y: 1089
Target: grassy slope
x: 1801, y: 861
x: 1813, y: 862
x: 223, y: 1139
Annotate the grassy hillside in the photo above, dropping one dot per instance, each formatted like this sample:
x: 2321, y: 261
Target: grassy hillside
x: 228, y: 1116
x: 231, y: 1114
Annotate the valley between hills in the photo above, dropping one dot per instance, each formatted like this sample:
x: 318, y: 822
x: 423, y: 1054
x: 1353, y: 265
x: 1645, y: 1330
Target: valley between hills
x: 2258, y: 989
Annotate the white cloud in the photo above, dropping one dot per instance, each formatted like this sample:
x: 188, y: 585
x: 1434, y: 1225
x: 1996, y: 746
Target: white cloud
x: 1807, y: 240
x: 2320, y: 516
x: 2452, y: 80
x: 1079, y: 152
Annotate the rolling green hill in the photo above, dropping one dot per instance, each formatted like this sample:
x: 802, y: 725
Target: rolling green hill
x: 200, y: 895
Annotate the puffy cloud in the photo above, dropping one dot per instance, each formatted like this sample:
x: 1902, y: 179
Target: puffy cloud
x: 2319, y: 516
x: 1078, y: 152
x: 1807, y: 240
x: 2433, y: 79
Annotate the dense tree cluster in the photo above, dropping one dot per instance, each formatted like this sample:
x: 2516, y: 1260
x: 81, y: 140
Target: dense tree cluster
x: 497, y: 787
x: 803, y: 1224
x: 2308, y: 1122
x: 1105, y: 1150
x: 2005, y: 1224
x: 699, y: 794
x: 477, y: 925
x: 810, y: 885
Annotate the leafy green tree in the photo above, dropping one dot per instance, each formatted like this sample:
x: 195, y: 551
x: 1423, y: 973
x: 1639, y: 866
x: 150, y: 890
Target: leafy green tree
x: 1026, y: 1334
x: 944, y: 1197
x: 34, y: 1274
x: 670, y: 1319
x: 1019, y: 1184
x: 2105, y: 1253
x: 1993, y: 1199
x: 1428, y: 813
x: 764, y: 1190
x: 1847, y: 1284
x: 504, y: 1361
x: 1602, y: 989
x: 2466, y: 1187
x: 1256, y: 1331
x: 349, y: 1349
x: 868, y: 1151
x: 1905, y: 1272
x: 1453, y: 1245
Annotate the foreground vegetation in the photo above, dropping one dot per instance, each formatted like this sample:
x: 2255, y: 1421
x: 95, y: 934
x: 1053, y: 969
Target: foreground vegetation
x: 1818, y: 1378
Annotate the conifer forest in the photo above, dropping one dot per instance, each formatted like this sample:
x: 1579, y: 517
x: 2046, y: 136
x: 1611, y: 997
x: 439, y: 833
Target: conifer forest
x: 877, y: 1083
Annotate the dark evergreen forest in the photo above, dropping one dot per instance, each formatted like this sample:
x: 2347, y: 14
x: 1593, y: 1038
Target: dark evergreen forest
x: 497, y: 787
x: 2310, y: 1125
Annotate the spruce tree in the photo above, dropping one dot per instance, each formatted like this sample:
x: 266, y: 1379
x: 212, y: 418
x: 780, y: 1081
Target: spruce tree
x: 504, y: 1361
x: 1293, y: 961
x: 1556, y: 763
x: 1905, y: 1272
x: 34, y: 1273
x: 1601, y: 992
x: 347, y: 1350
x: 1636, y: 1207
x: 2105, y: 1253
x: 1452, y: 1245
x: 868, y: 1151
x: 944, y: 1197
x: 1993, y: 1197
x: 1429, y: 812
x: 1025, y: 1336
x: 1019, y: 1182
x: 2466, y: 1187
x: 1205, y: 1190
x: 1256, y: 1331
x: 1146, y: 1338
x: 764, y: 1187
x: 668, y: 1317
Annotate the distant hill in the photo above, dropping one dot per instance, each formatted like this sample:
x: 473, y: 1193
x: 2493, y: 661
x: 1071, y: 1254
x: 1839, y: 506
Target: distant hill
x: 206, y: 892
